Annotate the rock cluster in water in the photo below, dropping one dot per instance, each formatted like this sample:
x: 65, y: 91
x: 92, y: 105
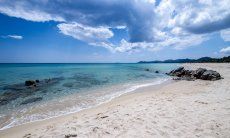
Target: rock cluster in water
x: 191, y: 75
x: 26, y: 90
x: 150, y: 70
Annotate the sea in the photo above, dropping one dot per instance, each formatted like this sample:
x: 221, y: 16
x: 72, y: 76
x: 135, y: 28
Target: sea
x: 67, y: 88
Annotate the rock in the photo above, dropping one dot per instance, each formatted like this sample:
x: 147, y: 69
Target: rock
x: 23, y: 90
x: 30, y: 83
x: 179, y: 69
x: 197, y: 74
x: 8, y: 96
x: 191, y: 75
x: 210, y: 75
x: 31, y: 100
x: 68, y: 85
x: 37, y: 81
x: 177, y: 72
x: 147, y: 70
x: 157, y: 71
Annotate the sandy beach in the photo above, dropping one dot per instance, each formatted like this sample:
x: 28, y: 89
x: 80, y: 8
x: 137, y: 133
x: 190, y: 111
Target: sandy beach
x: 176, y: 109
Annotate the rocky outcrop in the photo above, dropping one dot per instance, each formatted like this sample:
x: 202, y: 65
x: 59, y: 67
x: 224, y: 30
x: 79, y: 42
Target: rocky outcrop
x: 191, y: 75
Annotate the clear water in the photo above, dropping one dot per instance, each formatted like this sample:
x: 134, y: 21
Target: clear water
x: 80, y: 86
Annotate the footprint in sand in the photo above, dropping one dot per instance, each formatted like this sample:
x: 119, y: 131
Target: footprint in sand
x: 27, y: 136
x: 70, y: 135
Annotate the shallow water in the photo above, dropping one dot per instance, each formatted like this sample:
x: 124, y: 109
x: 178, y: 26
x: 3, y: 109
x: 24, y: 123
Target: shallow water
x: 78, y: 86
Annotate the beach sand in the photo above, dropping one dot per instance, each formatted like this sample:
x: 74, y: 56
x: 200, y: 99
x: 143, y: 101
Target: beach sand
x: 178, y: 109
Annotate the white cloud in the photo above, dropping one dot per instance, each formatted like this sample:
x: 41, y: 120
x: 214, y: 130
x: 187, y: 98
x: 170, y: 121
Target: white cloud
x: 225, y: 34
x: 20, y: 10
x: 225, y: 50
x: 15, y: 36
x: 173, y: 23
x: 121, y: 27
x: 18, y: 37
x: 91, y: 35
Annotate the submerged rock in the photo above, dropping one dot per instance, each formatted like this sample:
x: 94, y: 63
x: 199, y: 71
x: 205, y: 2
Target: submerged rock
x: 23, y: 90
x: 31, y: 100
x: 30, y: 83
x: 157, y: 71
x: 68, y: 85
x: 8, y: 96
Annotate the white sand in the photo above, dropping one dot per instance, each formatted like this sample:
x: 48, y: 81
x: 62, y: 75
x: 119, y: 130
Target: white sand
x: 179, y: 109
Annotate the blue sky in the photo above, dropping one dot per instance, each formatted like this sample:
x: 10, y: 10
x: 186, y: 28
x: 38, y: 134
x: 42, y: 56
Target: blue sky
x: 112, y: 31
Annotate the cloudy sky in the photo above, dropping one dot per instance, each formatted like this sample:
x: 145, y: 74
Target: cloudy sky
x: 113, y: 30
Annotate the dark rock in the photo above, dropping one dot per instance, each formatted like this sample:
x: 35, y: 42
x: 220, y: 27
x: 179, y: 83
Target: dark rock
x: 179, y: 69
x: 191, y: 75
x: 3, y: 101
x: 197, y: 74
x: 23, y: 90
x: 47, y: 80
x: 30, y: 83
x: 69, y: 85
x: 8, y: 96
x: 32, y: 100
x: 177, y: 72
x: 210, y: 75
x: 157, y: 71
x: 147, y: 70
x: 37, y: 81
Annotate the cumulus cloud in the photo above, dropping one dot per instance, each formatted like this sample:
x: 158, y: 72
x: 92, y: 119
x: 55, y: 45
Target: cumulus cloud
x: 225, y: 50
x: 151, y: 24
x: 27, y: 11
x: 225, y: 34
x: 85, y: 33
x: 18, y: 37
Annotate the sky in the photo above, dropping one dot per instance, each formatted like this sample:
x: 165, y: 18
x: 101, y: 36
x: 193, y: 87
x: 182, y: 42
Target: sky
x: 101, y: 31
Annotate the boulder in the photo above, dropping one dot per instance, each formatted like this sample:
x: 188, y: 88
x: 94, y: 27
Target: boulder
x: 210, y: 75
x: 30, y: 83
x: 31, y: 100
x: 156, y: 71
x: 179, y: 69
x: 177, y: 72
x: 197, y: 74
x: 147, y: 70
x: 191, y: 75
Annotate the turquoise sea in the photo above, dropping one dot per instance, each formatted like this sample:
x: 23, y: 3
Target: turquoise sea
x: 71, y: 87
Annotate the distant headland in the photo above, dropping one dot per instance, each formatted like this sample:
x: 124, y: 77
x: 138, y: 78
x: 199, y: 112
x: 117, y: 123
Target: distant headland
x: 187, y: 60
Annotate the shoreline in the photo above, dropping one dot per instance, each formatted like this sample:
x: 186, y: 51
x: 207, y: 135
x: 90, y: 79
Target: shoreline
x: 156, y: 84
x: 169, y: 110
